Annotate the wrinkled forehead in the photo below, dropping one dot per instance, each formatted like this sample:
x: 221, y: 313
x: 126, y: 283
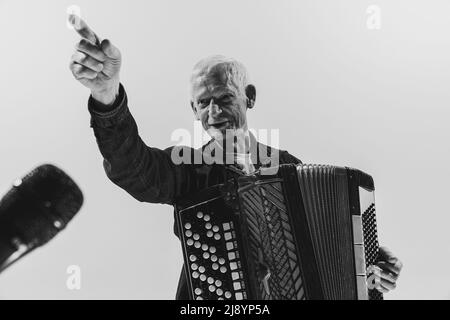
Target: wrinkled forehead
x: 213, y: 81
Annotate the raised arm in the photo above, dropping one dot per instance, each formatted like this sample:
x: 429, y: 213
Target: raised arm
x: 148, y: 174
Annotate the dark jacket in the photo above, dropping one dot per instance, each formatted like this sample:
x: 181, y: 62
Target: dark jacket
x: 148, y: 174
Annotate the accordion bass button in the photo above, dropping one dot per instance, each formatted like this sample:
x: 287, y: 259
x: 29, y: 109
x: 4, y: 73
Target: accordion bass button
x: 215, y: 228
x: 217, y: 236
x: 199, y: 214
x: 187, y: 226
x: 192, y: 258
x: 222, y: 261
x: 215, y: 266
x: 223, y: 269
x: 206, y: 255
x: 218, y: 283
x: 209, y: 234
x: 213, y: 258
x: 219, y: 292
x: 227, y: 294
x: 208, y: 225
x: 212, y: 249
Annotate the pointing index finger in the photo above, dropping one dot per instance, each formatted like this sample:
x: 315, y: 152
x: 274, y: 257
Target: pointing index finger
x: 83, y: 29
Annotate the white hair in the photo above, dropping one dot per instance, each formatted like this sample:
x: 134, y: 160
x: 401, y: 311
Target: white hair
x: 234, y: 70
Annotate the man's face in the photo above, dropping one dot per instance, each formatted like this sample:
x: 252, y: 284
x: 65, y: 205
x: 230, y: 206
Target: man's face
x: 219, y: 104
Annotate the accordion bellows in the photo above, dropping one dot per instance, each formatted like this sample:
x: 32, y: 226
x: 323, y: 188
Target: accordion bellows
x: 291, y: 232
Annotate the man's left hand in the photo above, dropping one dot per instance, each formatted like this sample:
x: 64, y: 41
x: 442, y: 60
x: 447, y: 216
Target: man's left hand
x: 388, y: 270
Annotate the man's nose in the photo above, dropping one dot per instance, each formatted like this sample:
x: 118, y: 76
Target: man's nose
x: 214, y: 109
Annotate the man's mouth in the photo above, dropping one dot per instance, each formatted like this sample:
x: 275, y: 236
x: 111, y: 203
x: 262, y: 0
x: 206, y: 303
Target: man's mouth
x: 219, y: 124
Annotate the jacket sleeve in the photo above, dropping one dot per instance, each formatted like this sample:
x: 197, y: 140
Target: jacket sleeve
x: 146, y: 173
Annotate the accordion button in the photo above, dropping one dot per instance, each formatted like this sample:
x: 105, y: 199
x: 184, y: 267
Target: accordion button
x: 204, y: 247
x: 192, y: 258
x: 228, y: 294
x: 213, y: 258
x: 239, y: 296
x: 188, y: 233
x: 218, y: 283
x: 197, y: 244
x: 226, y: 226
x: 219, y: 292
x: 215, y: 228
x: 202, y: 277
x: 212, y: 288
x: 198, y: 291
x: 217, y: 236
x: 199, y: 298
x: 236, y: 285
x: 190, y: 242
x: 223, y: 269
x: 212, y: 249
x: 196, y: 236
x: 215, y: 266
x: 187, y: 226
x: 206, y: 255
x: 210, y: 280
x: 201, y: 269
x: 199, y: 214
x: 206, y: 217
x: 233, y: 266
x: 222, y: 261
x: 208, y: 225
x: 195, y: 275
x: 227, y: 236
x: 194, y: 266
x: 209, y: 234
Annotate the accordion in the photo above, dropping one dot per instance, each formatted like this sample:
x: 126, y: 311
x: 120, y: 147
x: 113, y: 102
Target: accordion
x: 294, y: 233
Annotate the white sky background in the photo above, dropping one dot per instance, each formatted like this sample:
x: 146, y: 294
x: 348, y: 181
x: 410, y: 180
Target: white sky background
x: 339, y: 93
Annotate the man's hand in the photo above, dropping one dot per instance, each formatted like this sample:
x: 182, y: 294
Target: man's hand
x: 387, y: 271
x: 96, y: 64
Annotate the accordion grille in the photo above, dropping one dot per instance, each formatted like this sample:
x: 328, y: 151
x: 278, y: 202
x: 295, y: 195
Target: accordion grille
x: 272, y: 243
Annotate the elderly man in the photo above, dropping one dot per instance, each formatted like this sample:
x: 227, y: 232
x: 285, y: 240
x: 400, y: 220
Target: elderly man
x: 221, y: 96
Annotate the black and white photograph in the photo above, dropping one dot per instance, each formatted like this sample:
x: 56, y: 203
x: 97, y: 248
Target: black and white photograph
x: 224, y: 150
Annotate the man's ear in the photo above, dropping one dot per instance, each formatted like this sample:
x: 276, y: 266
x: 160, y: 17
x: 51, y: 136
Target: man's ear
x: 195, y: 111
x: 250, y: 92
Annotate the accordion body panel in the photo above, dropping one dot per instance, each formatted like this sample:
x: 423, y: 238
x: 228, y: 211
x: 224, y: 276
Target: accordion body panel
x: 303, y: 232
